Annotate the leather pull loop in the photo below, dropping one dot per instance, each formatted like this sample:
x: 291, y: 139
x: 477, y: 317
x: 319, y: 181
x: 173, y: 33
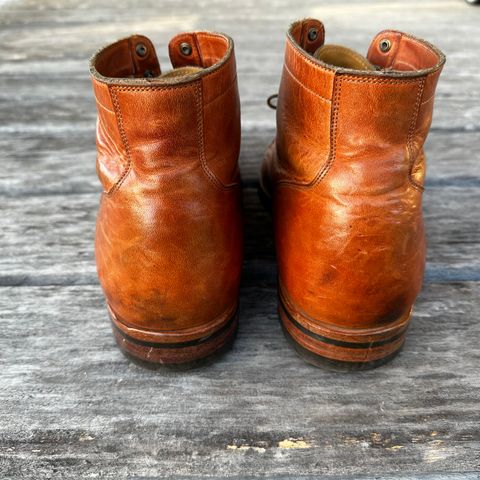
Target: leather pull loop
x: 384, y: 48
x: 144, y: 58
x: 392, y: 50
x: 199, y: 49
x: 184, y: 51
x: 132, y: 57
x: 308, y: 34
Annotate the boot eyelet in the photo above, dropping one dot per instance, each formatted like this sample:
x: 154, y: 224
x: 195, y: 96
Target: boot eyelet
x: 185, y: 49
x: 385, y: 45
x: 140, y: 49
x: 148, y: 74
x: 312, y: 34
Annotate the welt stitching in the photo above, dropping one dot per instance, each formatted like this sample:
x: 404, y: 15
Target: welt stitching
x: 411, y: 132
x: 394, y: 81
x: 304, y: 86
x: 124, y: 138
x: 150, y: 87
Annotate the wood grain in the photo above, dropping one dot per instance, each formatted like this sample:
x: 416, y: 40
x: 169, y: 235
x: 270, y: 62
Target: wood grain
x: 71, y: 406
x: 71, y: 402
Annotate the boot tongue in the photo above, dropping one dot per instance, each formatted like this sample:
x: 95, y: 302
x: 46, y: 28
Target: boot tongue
x: 343, y: 57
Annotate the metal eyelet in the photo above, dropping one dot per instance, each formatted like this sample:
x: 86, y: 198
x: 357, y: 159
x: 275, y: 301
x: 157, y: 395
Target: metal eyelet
x: 148, y: 74
x: 385, y: 45
x: 312, y: 34
x: 140, y: 49
x: 185, y: 49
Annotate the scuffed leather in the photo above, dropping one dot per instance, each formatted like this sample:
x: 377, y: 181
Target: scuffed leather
x: 169, y: 232
x: 346, y: 176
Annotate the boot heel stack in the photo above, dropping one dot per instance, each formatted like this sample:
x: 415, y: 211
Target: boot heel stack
x: 182, y: 350
x: 344, y: 349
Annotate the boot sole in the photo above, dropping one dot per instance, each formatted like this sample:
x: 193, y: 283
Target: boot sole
x: 343, y: 350
x: 183, y: 355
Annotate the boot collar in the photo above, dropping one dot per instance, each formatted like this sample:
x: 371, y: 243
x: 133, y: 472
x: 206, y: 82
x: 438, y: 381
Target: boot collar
x: 395, y: 54
x: 133, y: 61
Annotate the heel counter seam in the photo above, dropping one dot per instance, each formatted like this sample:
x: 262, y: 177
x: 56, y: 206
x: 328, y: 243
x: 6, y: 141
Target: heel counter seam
x: 201, y: 142
x: 123, y: 136
x: 411, y: 157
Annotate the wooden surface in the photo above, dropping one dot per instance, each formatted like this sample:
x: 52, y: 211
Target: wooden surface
x: 72, y: 407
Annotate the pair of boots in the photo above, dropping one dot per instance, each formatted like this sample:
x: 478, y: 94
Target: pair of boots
x: 344, y: 177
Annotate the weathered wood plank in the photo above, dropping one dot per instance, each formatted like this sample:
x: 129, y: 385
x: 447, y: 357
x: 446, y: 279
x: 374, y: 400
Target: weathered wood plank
x: 68, y: 106
x: 86, y: 409
x: 72, y: 407
x: 59, y: 69
x: 49, y: 238
x: 61, y: 164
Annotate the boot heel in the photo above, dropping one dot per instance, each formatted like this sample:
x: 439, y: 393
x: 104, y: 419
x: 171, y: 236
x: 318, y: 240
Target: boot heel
x: 343, y: 350
x: 145, y: 348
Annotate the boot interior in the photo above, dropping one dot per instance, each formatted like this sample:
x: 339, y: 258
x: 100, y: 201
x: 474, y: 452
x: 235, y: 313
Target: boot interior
x: 180, y: 72
x: 344, y: 57
x: 135, y: 57
x: 123, y: 60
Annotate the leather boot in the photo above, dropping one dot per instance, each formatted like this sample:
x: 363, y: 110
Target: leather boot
x: 345, y: 175
x: 169, y: 232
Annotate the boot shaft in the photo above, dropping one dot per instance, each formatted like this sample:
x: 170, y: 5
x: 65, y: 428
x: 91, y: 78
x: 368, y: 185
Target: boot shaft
x: 371, y: 122
x: 151, y: 124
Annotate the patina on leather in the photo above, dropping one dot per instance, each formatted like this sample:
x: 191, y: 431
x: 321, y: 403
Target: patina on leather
x: 346, y: 174
x: 169, y: 232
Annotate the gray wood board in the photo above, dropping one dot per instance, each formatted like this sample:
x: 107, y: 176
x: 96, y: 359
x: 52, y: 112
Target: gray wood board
x: 49, y: 238
x: 71, y: 403
x: 63, y: 162
x: 71, y: 406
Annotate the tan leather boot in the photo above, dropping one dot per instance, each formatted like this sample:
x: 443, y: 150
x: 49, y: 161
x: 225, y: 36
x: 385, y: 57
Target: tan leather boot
x: 169, y: 232
x: 345, y: 174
